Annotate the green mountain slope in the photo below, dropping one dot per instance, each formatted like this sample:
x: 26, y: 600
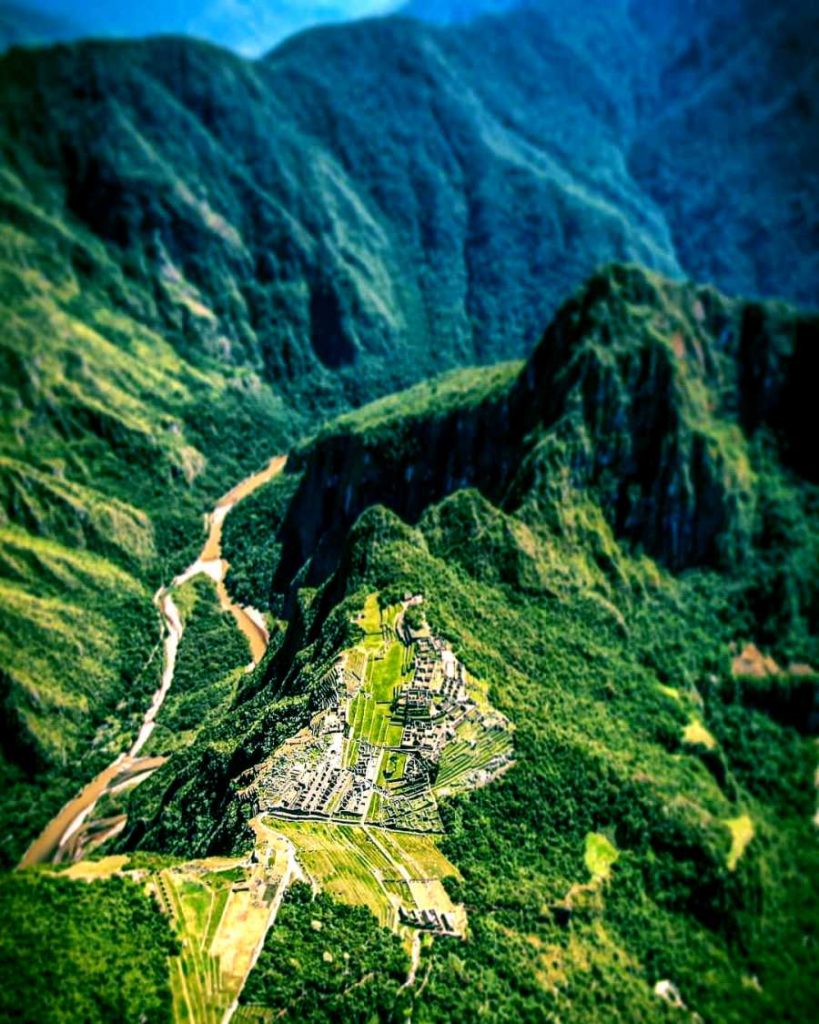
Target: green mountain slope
x: 671, y: 415
x: 112, y: 444
x: 598, y: 561
x: 345, y: 223
x: 104, y: 929
x: 202, y: 255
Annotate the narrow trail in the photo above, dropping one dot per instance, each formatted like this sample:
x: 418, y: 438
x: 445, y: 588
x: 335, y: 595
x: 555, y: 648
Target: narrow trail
x: 291, y: 872
x: 415, y: 961
x: 71, y: 832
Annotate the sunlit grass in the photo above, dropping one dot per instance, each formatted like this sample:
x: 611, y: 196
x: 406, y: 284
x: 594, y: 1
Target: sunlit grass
x: 742, y: 832
x: 696, y: 734
x: 600, y: 854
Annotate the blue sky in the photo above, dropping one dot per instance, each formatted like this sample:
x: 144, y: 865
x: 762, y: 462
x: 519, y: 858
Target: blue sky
x: 250, y: 26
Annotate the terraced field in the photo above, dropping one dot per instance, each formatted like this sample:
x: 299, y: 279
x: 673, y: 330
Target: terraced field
x: 221, y: 909
x: 196, y: 905
x: 375, y: 868
x: 468, y: 754
x: 343, y: 861
x: 383, y: 664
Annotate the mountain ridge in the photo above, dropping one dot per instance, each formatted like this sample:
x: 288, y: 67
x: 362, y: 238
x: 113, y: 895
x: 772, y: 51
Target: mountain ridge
x: 604, y: 555
x: 639, y: 392
x: 654, y: 792
x: 359, y: 326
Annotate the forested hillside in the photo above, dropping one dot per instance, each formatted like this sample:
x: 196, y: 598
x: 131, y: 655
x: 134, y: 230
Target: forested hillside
x: 204, y: 255
x: 600, y: 540
x: 600, y: 535
x: 385, y: 199
x: 112, y: 444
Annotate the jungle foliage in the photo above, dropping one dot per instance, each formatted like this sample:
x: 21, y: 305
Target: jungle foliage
x: 75, y: 951
x: 328, y: 961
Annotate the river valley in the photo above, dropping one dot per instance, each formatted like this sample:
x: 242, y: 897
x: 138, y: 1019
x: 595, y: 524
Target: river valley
x: 74, y: 831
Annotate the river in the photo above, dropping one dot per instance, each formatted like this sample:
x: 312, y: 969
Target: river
x: 72, y: 832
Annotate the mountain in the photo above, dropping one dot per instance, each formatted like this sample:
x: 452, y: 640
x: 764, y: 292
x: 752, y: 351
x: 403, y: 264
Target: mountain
x: 203, y: 256
x: 526, y: 161
x: 251, y: 27
x: 111, y: 445
x: 25, y: 26
x: 599, y: 551
x: 660, y: 408
x: 597, y: 534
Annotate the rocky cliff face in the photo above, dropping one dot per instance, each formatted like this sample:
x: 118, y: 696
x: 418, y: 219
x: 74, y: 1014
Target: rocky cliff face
x: 405, y: 463
x: 647, y: 399
x: 653, y: 392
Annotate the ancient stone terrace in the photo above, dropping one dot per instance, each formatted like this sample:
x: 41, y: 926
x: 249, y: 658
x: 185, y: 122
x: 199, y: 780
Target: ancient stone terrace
x: 399, y: 721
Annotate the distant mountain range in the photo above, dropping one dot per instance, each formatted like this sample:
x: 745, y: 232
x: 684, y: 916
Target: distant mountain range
x: 376, y: 201
x: 251, y: 27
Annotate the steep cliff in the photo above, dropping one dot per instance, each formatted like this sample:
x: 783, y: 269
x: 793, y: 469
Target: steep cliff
x: 662, y: 406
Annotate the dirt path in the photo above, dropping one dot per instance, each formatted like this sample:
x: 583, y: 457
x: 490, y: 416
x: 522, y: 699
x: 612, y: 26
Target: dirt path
x: 415, y: 960
x: 65, y: 836
x: 284, y: 849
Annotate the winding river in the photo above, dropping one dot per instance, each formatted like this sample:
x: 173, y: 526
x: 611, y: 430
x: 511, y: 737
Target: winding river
x: 73, y: 831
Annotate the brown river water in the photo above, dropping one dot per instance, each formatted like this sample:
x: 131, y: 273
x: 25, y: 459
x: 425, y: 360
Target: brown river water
x: 73, y: 831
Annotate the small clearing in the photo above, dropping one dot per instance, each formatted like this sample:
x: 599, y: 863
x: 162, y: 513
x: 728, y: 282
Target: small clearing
x: 696, y: 734
x: 600, y: 854
x: 742, y: 832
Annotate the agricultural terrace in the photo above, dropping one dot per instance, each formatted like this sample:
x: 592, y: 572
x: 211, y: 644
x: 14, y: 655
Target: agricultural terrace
x: 400, y: 723
x: 396, y: 875
x: 221, y: 909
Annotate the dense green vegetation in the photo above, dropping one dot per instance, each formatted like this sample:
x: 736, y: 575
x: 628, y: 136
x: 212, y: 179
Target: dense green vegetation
x: 250, y: 536
x: 601, y: 683
x: 642, y: 415
x: 460, y: 391
x: 112, y: 445
x: 201, y: 259
x: 72, y: 951
x: 327, y: 961
x: 80, y: 655
x: 597, y: 574
x: 598, y: 748
x: 181, y: 298
x: 658, y: 823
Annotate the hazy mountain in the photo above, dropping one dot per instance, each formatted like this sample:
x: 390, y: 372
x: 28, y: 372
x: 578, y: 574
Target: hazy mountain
x: 250, y: 27
x: 21, y: 25
x: 335, y: 209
